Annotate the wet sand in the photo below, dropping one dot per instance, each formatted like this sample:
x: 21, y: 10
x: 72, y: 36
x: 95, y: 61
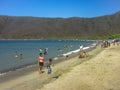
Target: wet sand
x: 99, y: 71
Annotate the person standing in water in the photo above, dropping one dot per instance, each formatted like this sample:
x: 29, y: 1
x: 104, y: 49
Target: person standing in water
x: 40, y: 62
x: 45, y: 51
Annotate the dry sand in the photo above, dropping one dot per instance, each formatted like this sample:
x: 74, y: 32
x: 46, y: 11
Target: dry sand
x: 99, y: 71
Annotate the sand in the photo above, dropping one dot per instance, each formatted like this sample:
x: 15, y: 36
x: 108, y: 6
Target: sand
x: 99, y: 71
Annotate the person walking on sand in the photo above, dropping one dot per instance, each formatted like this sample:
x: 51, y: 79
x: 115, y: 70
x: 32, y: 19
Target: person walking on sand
x: 40, y: 62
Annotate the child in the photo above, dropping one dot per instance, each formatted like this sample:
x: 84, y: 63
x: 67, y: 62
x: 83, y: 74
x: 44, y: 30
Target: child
x: 49, y: 66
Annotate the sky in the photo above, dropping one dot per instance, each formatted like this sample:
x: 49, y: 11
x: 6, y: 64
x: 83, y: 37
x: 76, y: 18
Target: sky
x: 59, y: 8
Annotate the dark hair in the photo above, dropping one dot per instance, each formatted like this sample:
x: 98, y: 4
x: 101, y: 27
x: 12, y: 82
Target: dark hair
x: 50, y: 59
x: 40, y: 54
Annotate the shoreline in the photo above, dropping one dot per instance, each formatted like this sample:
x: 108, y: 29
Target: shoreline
x: 59, y: 57
x: 26, y: 69
x: 34, y: 81
x: 3, y: 69
x: 30, y: 76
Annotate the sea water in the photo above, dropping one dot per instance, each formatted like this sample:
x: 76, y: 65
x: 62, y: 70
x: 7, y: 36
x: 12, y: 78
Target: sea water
x: 18, y: 53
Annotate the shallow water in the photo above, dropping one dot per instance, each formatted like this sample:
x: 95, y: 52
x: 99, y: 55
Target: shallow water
x: 27, y: 51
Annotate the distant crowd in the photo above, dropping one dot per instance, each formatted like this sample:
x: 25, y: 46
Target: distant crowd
x: 107, y: 43
x: 104, y: 44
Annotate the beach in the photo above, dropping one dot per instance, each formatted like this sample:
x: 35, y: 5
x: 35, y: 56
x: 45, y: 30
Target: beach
x: 99, y: 71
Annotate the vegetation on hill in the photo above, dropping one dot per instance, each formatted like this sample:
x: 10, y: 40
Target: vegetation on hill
x: 104, y: 27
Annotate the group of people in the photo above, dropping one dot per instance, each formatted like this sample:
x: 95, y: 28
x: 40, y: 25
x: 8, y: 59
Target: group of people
x: 18, y: 55
x: 107, y: 43
x: 116, y: 42
x: 45, y: 51
x: 41, y: 62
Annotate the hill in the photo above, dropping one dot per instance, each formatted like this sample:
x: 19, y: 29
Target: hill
x: 12, y: 27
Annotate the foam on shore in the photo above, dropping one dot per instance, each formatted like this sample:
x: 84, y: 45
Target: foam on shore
x: 84, y: 48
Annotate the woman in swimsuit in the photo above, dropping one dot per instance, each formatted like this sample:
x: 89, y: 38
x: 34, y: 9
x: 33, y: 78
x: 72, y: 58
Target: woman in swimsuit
x: 40, y: 62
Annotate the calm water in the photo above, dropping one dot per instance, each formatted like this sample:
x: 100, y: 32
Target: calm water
x: 30, y: 51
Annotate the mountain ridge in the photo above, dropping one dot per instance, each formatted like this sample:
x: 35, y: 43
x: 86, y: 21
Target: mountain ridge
x: 14, y: 27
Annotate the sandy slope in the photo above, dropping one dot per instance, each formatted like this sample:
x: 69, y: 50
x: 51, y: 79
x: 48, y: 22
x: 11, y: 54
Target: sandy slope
x: 101, y: 72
